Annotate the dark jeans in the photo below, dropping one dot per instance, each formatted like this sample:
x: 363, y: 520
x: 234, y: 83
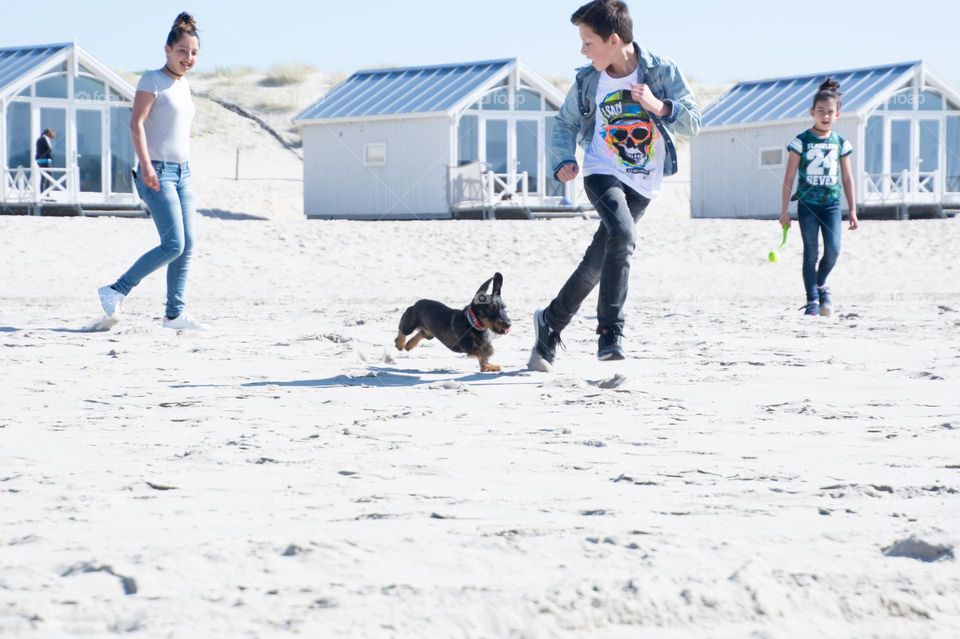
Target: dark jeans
x: 44, y: 163
x: 607, y: 259
x: 814, y: 221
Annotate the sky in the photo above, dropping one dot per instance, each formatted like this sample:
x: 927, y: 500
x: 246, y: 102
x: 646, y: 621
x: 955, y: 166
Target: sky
x: 712, y: 42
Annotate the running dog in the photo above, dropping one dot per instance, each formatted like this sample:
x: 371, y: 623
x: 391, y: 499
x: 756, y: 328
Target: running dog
x: 462, y: 331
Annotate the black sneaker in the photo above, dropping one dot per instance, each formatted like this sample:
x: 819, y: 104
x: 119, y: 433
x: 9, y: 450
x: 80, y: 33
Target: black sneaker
x: 812, y: 307
x: 610, y: 347
x: 545, y: 346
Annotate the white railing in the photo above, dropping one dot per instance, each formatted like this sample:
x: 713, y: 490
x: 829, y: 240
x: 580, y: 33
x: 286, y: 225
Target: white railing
x: 32, y: 185
x: 49, y: 183
x: 18, y: 186
x: 472, y: 186
x: 506, y: 188
x: 905, y: 187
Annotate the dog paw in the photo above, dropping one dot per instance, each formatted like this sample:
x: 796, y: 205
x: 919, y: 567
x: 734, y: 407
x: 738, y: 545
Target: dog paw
x: 490, y: 368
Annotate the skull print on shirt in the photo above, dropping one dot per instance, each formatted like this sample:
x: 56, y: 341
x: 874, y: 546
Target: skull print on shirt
x: 628, y: 131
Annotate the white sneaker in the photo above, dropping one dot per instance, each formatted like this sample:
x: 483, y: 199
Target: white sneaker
x: 183, y: 322
x: 111, y: 301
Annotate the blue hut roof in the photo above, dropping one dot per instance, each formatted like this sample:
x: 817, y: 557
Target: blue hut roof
x: 789, y: 98
x: 386, y: 92
x: 15, y: 62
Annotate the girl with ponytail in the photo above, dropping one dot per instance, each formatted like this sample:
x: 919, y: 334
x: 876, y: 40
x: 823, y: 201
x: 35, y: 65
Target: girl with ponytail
x: 160, y: 130
x: 822, y: 159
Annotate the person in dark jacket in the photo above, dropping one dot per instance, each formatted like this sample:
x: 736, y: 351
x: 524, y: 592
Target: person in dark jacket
x: 44, y: 155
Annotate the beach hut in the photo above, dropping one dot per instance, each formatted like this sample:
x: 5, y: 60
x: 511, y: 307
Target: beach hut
x: 63, y: 88
x: 902, y: 119
x: 442, y: 141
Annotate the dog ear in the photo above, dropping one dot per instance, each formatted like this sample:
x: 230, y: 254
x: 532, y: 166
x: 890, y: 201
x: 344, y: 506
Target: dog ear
x: 482, y: 297
x: 497, y: 283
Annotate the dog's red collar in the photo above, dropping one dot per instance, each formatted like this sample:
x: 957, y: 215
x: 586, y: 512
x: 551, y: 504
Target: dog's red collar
x: 472, y: 318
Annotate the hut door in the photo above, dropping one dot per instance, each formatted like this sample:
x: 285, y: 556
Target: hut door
x: 90, y: 151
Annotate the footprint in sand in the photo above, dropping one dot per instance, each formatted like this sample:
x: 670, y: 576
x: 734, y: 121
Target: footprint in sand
x: 612, y: 382
x: 918, y: 549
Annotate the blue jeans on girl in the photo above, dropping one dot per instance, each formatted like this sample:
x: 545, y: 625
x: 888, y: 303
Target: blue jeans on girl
x: 607, y: 259
x: 172, y: 209
x: 816, y: 220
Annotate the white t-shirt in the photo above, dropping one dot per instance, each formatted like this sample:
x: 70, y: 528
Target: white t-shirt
x: 626, y: 143
x: 168, y: 125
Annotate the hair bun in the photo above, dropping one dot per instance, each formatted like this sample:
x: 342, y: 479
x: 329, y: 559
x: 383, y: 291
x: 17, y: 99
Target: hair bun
x: 185, y: 22
x: 830, y: 85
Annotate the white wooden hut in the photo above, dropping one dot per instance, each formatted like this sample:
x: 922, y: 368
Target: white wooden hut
x: 64, y: 88
x: 434, y: 142
x: 902, y: 119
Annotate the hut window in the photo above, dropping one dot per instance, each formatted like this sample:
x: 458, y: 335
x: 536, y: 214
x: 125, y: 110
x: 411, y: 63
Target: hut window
x: 116, y: 97
x: 468, y: 140
x: 929, y: 145
x: 52, y: 87
x: 87, y: 88
x: 19, y: 147
x: 771, y: 157
x: 873, y: 151
x: 375, y: 154
x: 900, y: 146
x: 554, y: 188
x: 528, y: 100
x: 498, y: 100
x: 121, y: 150
x: 902, y: 101
x: 953, y: 154
x: 930, y: 101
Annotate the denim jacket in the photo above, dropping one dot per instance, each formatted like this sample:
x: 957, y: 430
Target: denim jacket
x: 576, y: 121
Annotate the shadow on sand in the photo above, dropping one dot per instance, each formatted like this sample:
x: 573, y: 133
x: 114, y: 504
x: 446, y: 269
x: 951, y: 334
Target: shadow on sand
x: 380, y: 377
x: 220, y: 214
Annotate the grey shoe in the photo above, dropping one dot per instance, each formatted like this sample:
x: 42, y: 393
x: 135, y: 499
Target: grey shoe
x: 545, y: 344
x: 609, y: 345
x: 826, y: 304
x: 812, y: 307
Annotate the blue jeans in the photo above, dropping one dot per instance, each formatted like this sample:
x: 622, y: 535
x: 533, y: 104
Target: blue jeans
x: 814, y: 221
x: 607, y: 259
x: 172, y: 209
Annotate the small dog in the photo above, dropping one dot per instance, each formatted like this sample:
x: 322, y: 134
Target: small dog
x: 464, y: 331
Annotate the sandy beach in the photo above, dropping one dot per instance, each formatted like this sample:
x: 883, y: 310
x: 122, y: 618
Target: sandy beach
x: 745, y: 472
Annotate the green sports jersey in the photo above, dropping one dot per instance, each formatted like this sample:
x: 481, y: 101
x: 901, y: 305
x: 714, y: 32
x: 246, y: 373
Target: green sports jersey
x: 819, y: 182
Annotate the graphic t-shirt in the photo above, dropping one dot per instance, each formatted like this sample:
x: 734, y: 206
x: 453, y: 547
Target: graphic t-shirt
x: 626, y: 143
x: 819, y: 182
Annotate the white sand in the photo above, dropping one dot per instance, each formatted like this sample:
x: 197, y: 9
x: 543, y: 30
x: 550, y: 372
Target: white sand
x: 743, y: 479
x: 287, y: 473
